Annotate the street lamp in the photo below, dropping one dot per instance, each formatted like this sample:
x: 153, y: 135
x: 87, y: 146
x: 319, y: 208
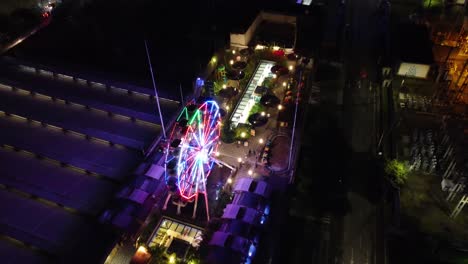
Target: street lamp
x: 280, y: 107
x: 260, y: 141
x: 231, y: 62
x: 291, y: 67
x: 284, y: 84
x: 262, y: 113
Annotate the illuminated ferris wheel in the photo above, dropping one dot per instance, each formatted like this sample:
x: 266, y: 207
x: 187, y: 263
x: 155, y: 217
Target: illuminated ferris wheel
x: 191, y: 147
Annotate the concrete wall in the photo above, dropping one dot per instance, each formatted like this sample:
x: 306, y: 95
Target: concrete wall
x: 278, y: 18
x: 242, y: 40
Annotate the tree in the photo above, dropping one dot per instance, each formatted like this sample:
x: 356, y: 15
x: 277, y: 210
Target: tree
x: 158, y: 255
x: 397, y: 170
x: 227, y: 134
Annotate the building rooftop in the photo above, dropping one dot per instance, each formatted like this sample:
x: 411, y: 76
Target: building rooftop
x: 67, y: 144
x: 413, y: 43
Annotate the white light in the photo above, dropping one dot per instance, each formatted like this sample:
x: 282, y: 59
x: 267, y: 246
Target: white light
x: 284, y: 84
x: 229, y: 180
x: 227, y: 107
x: 274, y: 76
x: 262, y: 113
x: 243, y: 134
x: 224, y: 86
x: 268, y: 115
x: 276, y: 48
x: 250, y: 172
x: 233, y: 51
x: 280, y: 107
x: 259, y: 47
x: 291, y: 67
x: 231, y: 62
x: 217, y: 154
x: 239, y: 159
x: 260, y: 141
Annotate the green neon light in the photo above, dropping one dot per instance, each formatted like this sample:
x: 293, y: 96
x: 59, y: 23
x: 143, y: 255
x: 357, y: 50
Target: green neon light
x: 196, y: 114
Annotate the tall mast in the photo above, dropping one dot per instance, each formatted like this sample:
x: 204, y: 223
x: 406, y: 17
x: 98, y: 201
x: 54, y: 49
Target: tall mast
x: 155, y: 91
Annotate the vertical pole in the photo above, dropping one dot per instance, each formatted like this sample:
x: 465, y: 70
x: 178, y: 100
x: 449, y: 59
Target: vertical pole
x: 155, y: 91
x: 181, y: 94
x: 207, y: 207
x: 195, y: 207
x: 167, y: 200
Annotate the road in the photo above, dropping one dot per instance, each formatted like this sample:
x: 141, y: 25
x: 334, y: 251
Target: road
x: 360, y: 226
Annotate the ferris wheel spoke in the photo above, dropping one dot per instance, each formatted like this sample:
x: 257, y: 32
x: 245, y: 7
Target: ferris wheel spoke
x: 198, y: 141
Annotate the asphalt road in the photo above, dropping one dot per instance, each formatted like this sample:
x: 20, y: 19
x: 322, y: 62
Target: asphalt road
x: 359, y: 241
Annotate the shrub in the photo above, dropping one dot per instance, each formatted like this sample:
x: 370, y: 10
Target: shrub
x: 397, y: 170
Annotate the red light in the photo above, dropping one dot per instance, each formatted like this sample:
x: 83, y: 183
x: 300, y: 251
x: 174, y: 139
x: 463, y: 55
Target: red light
x: 363, y: 74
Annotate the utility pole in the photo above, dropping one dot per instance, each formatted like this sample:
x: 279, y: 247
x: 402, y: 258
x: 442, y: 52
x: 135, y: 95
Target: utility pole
x: 155, y: 91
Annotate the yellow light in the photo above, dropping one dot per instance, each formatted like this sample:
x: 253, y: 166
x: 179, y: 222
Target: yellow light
x: 229, y: 180
x: 260, y: 141
x: 214, y: 59
x: 284, y: 84
x: 291, y: 67
x: 172, y: 259
x: 262, y: 113
x: 276, y: 48
x: 231, y: 62
x: 142, y: 249
x: 227, y: 107
x: 280, y: 107
x: 224, y: 86
x: 233, y: 51
x: 243, y: 134
x: 250, y: 172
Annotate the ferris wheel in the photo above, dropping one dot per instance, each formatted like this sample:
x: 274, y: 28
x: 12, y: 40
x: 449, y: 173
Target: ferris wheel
x: 191, y: 147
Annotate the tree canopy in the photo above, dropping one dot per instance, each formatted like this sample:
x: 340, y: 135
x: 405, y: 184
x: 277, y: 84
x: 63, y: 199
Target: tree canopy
x: 397, y: 170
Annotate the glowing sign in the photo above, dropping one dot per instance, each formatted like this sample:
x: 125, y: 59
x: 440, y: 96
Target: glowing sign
x: 413, y: 70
